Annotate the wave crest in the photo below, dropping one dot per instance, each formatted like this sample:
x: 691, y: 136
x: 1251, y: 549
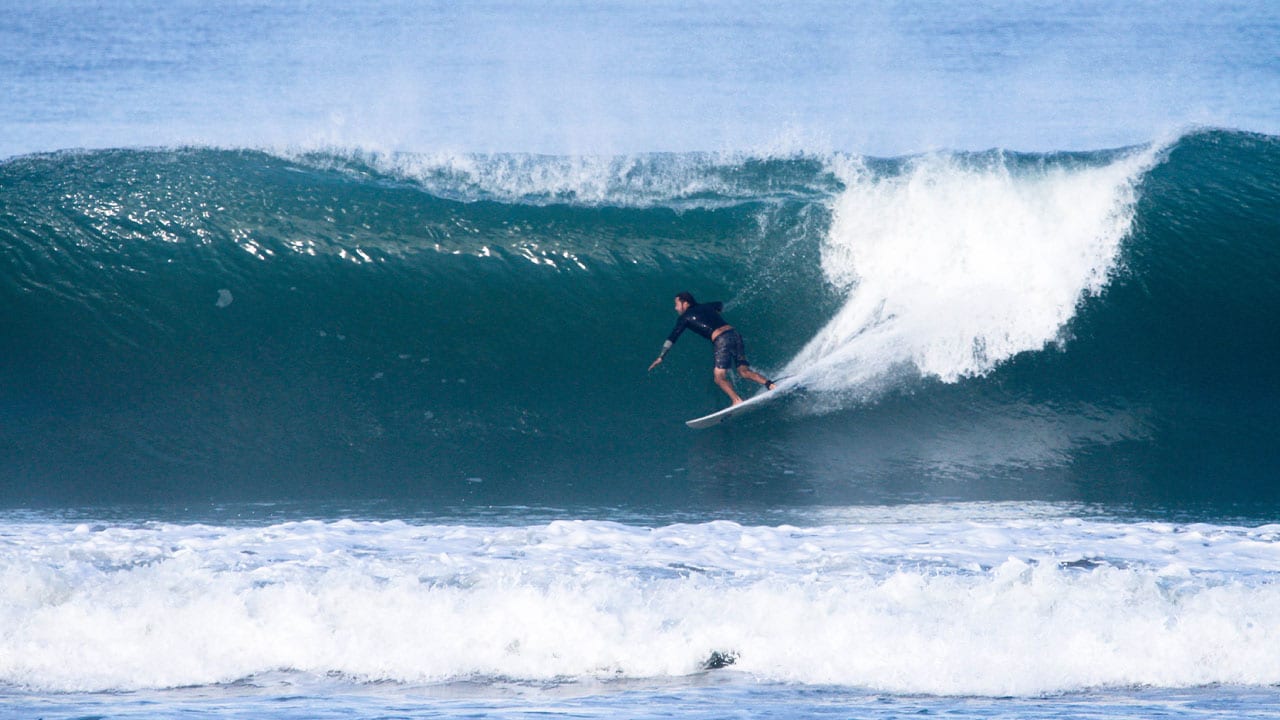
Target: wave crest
x: 956, y: 263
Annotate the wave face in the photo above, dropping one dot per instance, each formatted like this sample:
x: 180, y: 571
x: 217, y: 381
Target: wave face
x: 201, y: 323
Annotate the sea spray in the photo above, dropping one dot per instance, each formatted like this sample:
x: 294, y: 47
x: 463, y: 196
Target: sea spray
x: 954, y: 264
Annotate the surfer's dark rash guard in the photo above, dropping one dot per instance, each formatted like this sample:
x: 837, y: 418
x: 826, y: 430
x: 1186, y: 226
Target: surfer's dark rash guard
x: 703, y: 318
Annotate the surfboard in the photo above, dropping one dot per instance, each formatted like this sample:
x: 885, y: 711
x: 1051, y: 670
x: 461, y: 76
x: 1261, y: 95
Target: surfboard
x: 780, y: 386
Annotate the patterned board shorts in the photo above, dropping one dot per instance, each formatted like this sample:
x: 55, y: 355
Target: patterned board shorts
x: 729, y: 350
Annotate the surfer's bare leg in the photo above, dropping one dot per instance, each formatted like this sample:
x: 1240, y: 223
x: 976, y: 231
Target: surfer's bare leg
x: 755, y: 377
x: 722, y: 379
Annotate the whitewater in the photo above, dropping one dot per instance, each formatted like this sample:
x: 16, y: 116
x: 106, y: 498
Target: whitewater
x: 979, y: 600
x: 934, y: 284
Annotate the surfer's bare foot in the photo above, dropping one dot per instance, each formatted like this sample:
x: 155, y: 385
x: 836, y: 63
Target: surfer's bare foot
x: 769, y: 385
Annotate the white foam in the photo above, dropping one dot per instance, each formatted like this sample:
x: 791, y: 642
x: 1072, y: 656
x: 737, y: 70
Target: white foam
x: 635, y: 180
x: 956, y: 264
x: 1012, y: 603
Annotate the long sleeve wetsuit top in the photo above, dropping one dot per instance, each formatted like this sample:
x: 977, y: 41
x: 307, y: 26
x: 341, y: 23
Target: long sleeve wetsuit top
x: 703, y: 318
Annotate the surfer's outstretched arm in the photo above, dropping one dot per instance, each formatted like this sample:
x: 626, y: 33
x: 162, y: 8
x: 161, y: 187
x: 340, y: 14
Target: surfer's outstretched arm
x: 665, y: 347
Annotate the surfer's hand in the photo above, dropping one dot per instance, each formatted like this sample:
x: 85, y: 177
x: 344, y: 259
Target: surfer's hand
x: 655, y: 363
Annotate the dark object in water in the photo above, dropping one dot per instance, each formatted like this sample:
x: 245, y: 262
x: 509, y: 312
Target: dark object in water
x: 720, y: 660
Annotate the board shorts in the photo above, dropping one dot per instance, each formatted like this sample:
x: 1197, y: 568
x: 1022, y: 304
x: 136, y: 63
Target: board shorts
x: 729, y: 350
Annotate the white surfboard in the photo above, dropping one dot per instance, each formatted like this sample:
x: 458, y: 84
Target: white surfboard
x: 780, y: 386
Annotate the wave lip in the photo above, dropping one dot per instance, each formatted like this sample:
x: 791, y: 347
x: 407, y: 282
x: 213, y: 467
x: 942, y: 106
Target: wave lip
x: 675, y: 180
x: 949, y: 606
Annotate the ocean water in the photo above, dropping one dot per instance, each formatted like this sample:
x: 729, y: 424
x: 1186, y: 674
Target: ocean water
x: 322, y: 365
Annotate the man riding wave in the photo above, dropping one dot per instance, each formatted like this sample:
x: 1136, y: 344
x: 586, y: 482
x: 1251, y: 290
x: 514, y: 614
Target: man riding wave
x: 705, y: 320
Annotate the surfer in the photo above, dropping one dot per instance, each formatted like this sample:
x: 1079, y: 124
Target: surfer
x: 705, y: 320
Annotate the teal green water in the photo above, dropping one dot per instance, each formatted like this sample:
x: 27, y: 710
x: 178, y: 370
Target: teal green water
x: 230, y: 325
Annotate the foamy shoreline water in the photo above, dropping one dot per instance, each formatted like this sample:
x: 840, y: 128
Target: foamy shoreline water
x: 946, y: 607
